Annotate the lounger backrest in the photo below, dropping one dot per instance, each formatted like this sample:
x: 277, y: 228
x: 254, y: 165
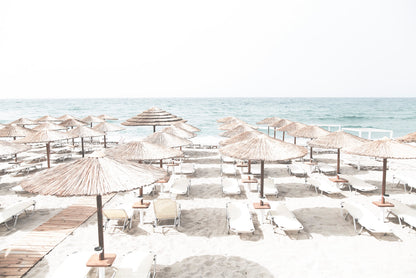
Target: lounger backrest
x: 165, y: 209
x: 135, y: 264
x: 115, y: 214
x: 15, y: 209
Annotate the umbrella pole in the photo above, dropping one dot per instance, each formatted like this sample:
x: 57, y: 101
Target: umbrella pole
x: 338, y: 161
x: 154, y: 129
x: 100, y: 226
x: 249, y: 167
x: 105, y: 142
x: 274, y: 133
x: 15, y: 157
x: 283, y: 137
x: 48, y: 153
x: 383, y: 184
x: 294, y: 140
x: 73, y: 142
x: 82, y: 146
x: 268, y: 130
x: 161, y: 163
x: 311, y: 154
x: 262, y: 179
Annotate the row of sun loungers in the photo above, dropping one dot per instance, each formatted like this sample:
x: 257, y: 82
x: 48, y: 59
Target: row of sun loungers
x: 406, y: 178
x: 323, y: 184
x: 13, y: 212
x: 358, y: 184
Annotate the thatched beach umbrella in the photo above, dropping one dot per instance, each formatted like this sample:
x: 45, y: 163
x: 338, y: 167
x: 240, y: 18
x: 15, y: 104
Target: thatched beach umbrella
x: 49, y: 126
x: 82, y: 132
x: 14, y: 131
x: 292, y: 127
x: 337, y: 140
x: 107, y: 127
x: 66, y: 117
x: 263, y: 148
x: 279, y: 123
x: 187, y: 127
x: 384, y: 148
x: 153, y: 117
x: 106, y: 117
x: 167, y: 139
x: 236, y: 131
x: 24, y: 121
x: 268, y: 121
x: 311, y: 132
x: 409, y: 138
x: 47, y: 118
x: 7, y: 148
x: 179, y: 132
x: 227, y: 119
x: 93, y: 176
x: 92, y: 119
x: 71, y: 123
x: 45, y: 136
x: 240, y: 137
x: 231, y: 124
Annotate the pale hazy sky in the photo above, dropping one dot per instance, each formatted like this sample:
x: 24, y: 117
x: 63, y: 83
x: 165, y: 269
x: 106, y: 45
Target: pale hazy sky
x: 207, y: 48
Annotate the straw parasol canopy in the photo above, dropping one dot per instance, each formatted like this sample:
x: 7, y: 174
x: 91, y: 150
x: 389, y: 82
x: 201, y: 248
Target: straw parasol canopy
x: 106, y: 117
x: 310, y: 131
x: 279, y: 123
x: 167, y: 139
x: 66, y: 117
x: 269, y: 120
x: 45, y: 136
x: 92, y: 119
x: 153, y: 117
x: 234, y: 124
x: 72, y: 123
x: 96, y: 175
x: 337, y: 140
x: 263, y: 148
x: 7, y: 148
x: 240, y: 137
x: 107, y: 127
x: 49, y: 126
x: 24, y: 121
x: 226, y: 119
x: 179, y: 132
x: 47, y: 118
x: 384, y: 148
x: 82, y: 132
x: 142, y: 150
x: 292, y: 127
x: 187, y: 127
x: 236, y: 131
x: 409, y: 138
x: 14, y: 131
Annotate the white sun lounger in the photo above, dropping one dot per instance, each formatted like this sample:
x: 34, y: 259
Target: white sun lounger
x: 228, y: 169
x: 326, y: 169
x: 180, y: 186
x: 284, y: 219
x: 403, y: 212
x: 117, y: 215
x: 227, y: 159
x: 239, y: 218
x: 230, y: 186
x: 269, y: 187
x: 138, y: 264
x: 12, y: 212
x: 406, y: 178
x: 187, y: 168
x: 74, y: 266
x: 323, y: 184
x: 296, y: 170
x: 365, y: 218
x: 167, y: 209
x: 358, y: 184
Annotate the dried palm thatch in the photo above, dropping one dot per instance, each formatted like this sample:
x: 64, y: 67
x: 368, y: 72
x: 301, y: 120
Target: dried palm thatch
x: 384, y: 148
x: 15, y: 131
x: 292, y: 127
x: 49, y: 126
x: 47, y: 118
x: 24, y: 121
x: 179, y: 132
x: 187, y: 127
x: 226, y: 119
x: 234, y: 124
x: 236, y: 131
x: 142, y: 150
x: 92, y: 119
x: 106, y: 117
x: 66, y: 117
x: 269, y: 120
x: 83, y: 131
x: 409, y: 138
x: 7, y: 148
x: 240, y: 137
x: 311, y: 131
x: 280, y: 123
x: 153, y: 117
x: 167, y: 139
x: 72, y: 123
x: 107, y: 127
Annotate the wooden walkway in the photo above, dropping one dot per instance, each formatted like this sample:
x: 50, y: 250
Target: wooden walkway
x: 21, y: 256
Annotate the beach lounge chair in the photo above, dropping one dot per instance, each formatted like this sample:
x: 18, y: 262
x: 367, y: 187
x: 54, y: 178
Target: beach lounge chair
x: 118, y: 215
x: 187, y: 168
x: 239, y: 218
x: 269, y: 187
x: 12, y: 212
x: 403, y: 212
x: 226, y: 159
x: 228, y: 169
x: 406, y: 178
x: 180, y: 186
x: 323, y: 184
x: 296, y: 170
x: 365, y: 218
x: 165, y: 210
x: 326, y: 169
x: 284, y: 219
x: 138, y: 264
x: 358, y: 184
x: 74, y: 266
x: 230, y: 186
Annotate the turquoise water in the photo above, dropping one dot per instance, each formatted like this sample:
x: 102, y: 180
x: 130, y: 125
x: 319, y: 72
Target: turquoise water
x: 397, y: 114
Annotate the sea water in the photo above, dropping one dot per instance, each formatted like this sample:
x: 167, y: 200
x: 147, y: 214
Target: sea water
x: 397, y: 114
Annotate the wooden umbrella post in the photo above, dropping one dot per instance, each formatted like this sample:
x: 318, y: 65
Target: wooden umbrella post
x: 338, y: 161
x: 274, y: 133
x: 154, y: 129
x: 383, y: 184
x: 311, y: 154
x: 268, y: 130
x: 15, y: 157
x: 161, y: 163
x: 283, y: 136
x: 249, y: 167
x: 82, y: 146
x: 262, y: 179
x: 100, y: 226
x: 48, y: 153
x: 294, y: 140
x: 105, y: 142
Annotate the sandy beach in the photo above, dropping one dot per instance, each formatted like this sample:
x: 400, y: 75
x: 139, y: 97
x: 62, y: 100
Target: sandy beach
x: 201, y: 247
